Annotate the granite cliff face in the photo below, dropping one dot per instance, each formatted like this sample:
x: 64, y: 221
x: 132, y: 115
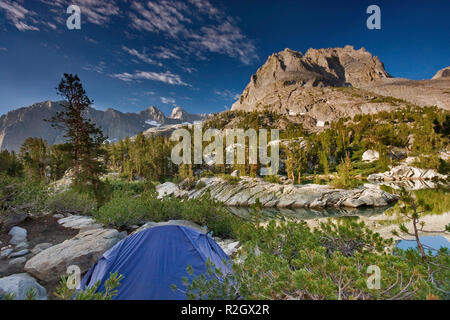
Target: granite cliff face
x: 317, y: 68
x: 328, y: 84
x: 17, y: 125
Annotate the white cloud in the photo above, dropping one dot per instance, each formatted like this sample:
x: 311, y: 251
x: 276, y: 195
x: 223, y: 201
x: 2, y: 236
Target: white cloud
x: 3, y: 49
x: 194, y: 27
x: 90, y: 40
x: 51, y: 25
x: 166, y: 77
x: 166, y: 16
x: 225, y: 38
x: 175, y: 19
x: 18, y: 16
x: 205, y: 6
x: 140, y: 55
x: 99, y: 68
x: 189, y: 69
x: 165, y: 53
x: 167, y: 100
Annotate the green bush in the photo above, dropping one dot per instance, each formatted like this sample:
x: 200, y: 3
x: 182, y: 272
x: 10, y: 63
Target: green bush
x: 444, y: 167
x: 21, y: 193
x: 200, y: 185
x: 230, y: 179
x: 386, y: 188
x: 272, y: 179
x: 431, y: 161
x: 66, y: 292
x: 127, y: 187
x: 364, y: 169
x: 71, y: 202
x: 207, y: 174
x: 388, y: 99
x: 345, y: 178
x: 124, y: 211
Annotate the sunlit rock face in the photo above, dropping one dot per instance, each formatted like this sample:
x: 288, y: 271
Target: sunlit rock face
x: 274, y: 195
x: 443, y: 73
x: 312, y: 84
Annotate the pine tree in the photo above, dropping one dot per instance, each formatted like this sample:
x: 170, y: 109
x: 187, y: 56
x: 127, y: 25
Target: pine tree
x: 10, y: 164
x: 60, y: 160
x: 35, y: 157
x: 86, y: 140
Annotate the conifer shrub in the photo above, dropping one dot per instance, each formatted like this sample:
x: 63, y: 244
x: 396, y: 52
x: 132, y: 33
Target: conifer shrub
x: 289, y: 260
x: 71, y: 202
x: 17, y: 193
x: 125, y: 211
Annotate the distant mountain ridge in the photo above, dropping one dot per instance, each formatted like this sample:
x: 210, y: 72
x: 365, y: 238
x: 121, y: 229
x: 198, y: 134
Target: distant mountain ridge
x: 19, y: 124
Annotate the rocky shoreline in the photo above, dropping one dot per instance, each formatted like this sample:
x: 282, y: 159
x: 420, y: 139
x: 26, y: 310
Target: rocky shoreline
x: 404, y: 172
x: 247, y: 190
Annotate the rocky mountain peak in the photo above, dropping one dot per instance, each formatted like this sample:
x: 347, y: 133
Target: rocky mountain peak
x: 443, y: 73
x: 332, y: 67
x: 153, y: 114
x: 178, y: 113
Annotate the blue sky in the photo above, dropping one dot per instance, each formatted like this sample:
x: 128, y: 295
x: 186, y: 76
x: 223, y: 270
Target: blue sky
x: 198, y: 54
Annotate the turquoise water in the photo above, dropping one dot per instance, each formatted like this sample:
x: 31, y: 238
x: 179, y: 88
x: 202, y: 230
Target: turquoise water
x: 435, y: 242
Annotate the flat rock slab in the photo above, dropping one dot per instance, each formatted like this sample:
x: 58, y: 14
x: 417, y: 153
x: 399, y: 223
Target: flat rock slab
x: 83, y: 250
x: 78, y: 222
x: 20, y: 284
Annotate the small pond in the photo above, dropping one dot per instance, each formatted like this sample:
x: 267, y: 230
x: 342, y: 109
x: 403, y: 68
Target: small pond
x: 432, y: 243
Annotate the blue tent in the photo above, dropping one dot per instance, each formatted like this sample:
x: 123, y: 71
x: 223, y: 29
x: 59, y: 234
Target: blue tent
x: 154, y: 259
